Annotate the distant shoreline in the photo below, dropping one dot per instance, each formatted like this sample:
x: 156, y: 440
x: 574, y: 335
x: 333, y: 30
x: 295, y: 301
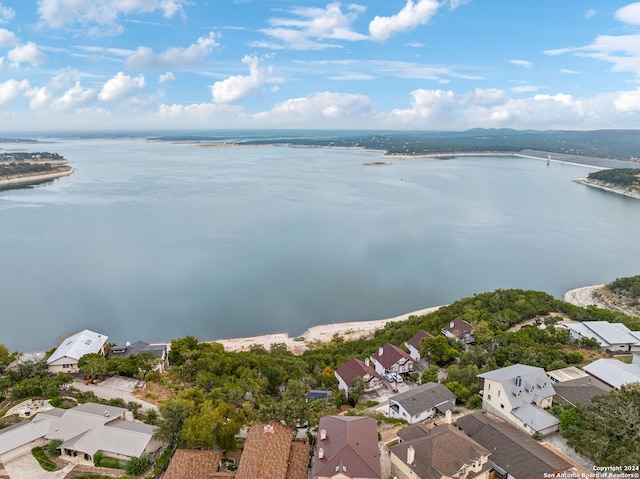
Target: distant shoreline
x: 26, y: 179
x: 619, y: 190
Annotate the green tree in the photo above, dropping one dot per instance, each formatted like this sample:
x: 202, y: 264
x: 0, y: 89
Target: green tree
x: 137, y: 465
x: 92, y: 365
x: 438, y: 350
x: 430, y: 375
x: 173, y: 414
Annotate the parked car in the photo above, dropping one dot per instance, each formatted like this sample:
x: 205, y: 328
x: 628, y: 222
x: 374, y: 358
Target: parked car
x: 390, y: 377
x: 397, y: 377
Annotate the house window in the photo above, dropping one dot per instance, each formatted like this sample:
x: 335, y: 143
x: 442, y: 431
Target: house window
x: 498, y: 393
x: 501, y: 406
x: 488, y: 397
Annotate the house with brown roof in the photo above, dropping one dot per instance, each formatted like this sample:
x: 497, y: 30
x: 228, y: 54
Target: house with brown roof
x: 438, y: 453
x: 413, y: 344
x: 391, y: 359
x: 195, y: 464
x: 270, y: 453
x: 354, y: 369
x: 347, y: 448
x: 460, y: 330
x: 514, y: 453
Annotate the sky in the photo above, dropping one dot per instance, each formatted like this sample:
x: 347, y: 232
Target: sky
x: 380, y: 64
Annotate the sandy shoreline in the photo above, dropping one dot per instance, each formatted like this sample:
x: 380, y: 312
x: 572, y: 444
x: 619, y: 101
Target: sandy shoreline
x: 584, y: 296
x: 322, y: 333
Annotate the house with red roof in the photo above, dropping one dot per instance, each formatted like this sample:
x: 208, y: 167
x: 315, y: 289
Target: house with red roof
x: 392, y: 359
x: 413, y: 344
x: 347, y: 448
x: 353, y: 370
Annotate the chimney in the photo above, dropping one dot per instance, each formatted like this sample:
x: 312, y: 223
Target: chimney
x: 320, y: 453
x: 447, y: 416
x: 367, y: 362
x: 451, y: 325
x: 323, y: 434
x: 411, y: 455
x: 380, y: 351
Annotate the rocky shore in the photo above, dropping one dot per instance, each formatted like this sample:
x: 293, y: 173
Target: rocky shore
x: 34, y: 178
x: 620, y: 190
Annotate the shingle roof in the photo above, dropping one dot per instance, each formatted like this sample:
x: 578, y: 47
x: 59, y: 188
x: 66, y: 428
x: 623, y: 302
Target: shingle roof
x: 458, y: 327
x: 424, y: 398
x: 390, y: 355
x: 511, y: 449
x: 442, y: 451
x: 351, y: 445
x: 581, y: 390
x: 78, y: 345
x: 137, y: 348
x: 191, y: 464
x: 354, y: 369
x: 266, y: 453
x: 417, y: 338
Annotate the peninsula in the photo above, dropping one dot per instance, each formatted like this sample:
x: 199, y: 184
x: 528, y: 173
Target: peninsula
x: 623, y: 181
x: 18, y: 169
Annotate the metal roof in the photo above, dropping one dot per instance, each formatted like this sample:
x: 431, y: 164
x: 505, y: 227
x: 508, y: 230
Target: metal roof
x: 613, y: 372
x: 536, y: 418
x: 606, y: 333
x: 78, y: 345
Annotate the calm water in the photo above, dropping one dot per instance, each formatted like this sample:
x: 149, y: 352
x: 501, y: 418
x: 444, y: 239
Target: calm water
x: 154, y: 241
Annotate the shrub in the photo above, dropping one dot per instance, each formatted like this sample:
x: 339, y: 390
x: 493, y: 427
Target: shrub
x: 97, y: 457
x: 112, y: 463
x: 46, y: 463
x: 52, y: 447
x: 56, y: 401
x: 137, y: 465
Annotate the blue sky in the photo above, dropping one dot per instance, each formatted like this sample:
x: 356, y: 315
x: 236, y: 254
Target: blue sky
x: 416, y: 64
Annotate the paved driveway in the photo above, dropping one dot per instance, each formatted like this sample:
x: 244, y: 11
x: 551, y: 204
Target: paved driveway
x: 26, y: 467
x: 104, y: 391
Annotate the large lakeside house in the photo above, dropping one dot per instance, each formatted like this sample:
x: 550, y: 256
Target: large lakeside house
x: 65, y: 358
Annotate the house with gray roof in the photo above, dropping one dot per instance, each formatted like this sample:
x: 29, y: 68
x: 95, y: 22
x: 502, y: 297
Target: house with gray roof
x: 579, y: 391
x: 460, y: 330
x: 566, y: 374
x: 140, y: 347
x: 520, y: 395
x: 615, y: 337
x: 421, y: 403
x: 514, y: 454
x: 85, y: 430
x: 438, y: 453
x: 65, y: 358
x: 613, y: 372
x: 347, y: 448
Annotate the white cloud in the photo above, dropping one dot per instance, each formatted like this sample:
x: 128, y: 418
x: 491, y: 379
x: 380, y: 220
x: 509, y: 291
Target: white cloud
x: 325, y: 108
x: 40, y: 97
x: 12, y: 89
x: 486, y: 97
x: 525, y: 88
x: 428, y: 105
x: 7, y: 38
x: 453, y: 4
x: 6, y: 13
x: 76, y: 97
x: 408, y: 18
x: 101, y: 13
x: 629, y: 14
x: 173, y: 58
x: 590, y: 13
x: 310, y: 27
x: 169, y: 76
x: 628, y: 101
x: 27, y: 53
x: 521, y: 63
x: 236, y: 87
x: 568, y: 71
x: 120, y: 86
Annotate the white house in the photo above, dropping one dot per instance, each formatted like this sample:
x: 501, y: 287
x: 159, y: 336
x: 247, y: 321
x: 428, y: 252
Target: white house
x: 520, y: 394
x: 413, y: 344
x: 391, y: 359
x: 612, y: 336
x: 65, y: 358
x: 85, y: 430
x: 613, y: 372
x: 421, y: 403
x: 353, y: 370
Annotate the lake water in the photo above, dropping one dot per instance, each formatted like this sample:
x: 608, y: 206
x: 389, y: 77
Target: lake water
x: 152, y: 241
